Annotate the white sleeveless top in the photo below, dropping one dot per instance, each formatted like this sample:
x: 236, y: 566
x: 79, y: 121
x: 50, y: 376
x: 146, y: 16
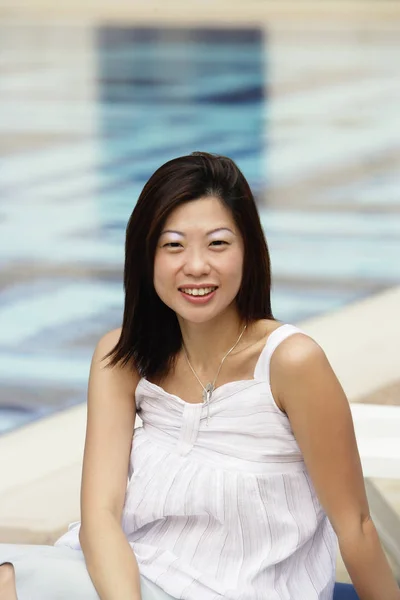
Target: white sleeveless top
x: 225, y: 510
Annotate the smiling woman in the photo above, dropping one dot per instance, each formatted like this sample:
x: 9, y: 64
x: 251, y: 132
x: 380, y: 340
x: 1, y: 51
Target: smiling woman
x: 239, y: 488
x: 195, y: 226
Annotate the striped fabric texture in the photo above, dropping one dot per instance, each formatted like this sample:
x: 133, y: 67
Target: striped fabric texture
x: 225, y: 510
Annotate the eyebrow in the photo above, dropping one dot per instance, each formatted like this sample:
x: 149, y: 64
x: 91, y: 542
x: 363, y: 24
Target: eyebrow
x: 208, y: 232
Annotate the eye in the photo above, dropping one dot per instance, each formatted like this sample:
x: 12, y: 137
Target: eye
x: 171, y: 245
x: 220, y: 242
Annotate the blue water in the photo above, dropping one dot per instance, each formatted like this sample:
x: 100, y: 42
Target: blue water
x: 93, y: 121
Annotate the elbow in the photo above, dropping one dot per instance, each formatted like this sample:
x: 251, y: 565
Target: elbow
x: 80, y: 537
x: 355, y: 531
x: 368, y: 528
x: 353, y: 526
x: 93, y: 527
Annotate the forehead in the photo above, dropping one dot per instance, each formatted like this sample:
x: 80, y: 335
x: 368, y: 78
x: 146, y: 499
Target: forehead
x: 204, y: 211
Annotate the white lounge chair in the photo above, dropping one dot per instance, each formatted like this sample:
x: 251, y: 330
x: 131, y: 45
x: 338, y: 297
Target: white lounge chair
x: 377, y: 430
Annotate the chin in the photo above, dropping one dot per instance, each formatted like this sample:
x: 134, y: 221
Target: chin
x: 191, y: 316
x: 199, y: 321
x: 201, y: 316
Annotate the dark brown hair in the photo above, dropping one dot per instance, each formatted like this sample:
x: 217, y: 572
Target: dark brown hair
x: 151, y: 337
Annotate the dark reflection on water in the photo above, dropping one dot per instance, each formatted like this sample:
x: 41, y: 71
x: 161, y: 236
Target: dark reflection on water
x: 181, y: 90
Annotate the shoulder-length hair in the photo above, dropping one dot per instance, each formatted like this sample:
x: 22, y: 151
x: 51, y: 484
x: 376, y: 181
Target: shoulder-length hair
x: 151, y: 337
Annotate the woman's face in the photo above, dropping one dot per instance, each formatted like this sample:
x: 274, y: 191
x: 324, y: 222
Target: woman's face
x: 199, y: 248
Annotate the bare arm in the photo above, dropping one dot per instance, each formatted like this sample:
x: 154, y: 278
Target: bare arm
x: 307, y: 389
x: 111, y: 415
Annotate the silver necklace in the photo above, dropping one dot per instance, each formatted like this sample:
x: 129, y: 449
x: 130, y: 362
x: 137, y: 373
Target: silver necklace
x: 210, y: 387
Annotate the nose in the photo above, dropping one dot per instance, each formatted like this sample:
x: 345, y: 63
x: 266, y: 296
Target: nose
x: 196, y: 263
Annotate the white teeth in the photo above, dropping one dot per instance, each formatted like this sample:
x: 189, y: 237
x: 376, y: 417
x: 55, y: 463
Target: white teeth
x: 198, y: 291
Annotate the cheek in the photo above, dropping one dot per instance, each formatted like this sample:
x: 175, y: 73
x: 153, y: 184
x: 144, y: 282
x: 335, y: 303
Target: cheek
x: 163, y: 271
x: 158, y: 272
x: 234, y: 265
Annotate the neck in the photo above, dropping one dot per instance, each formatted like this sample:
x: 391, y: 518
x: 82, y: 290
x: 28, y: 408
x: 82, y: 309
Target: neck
x: 207, y: 343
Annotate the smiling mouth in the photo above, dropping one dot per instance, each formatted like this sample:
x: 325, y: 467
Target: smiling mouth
x: 198, y: 292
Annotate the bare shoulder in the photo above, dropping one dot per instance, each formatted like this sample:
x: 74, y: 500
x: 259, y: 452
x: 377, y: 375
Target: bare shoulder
x: 127, y: 374
x: 297, y: 351
x: 109, y: 340
x: 296, y: 361
x: 114, y: 334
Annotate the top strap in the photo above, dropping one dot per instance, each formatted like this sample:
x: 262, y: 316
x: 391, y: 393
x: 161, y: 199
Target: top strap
x: 273, y: 341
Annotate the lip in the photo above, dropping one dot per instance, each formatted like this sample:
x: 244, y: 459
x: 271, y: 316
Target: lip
x: 198, y: 299
x: 197, y: 286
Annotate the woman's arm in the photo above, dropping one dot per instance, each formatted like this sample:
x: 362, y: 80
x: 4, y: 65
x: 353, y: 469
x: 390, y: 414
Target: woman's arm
x: 307, y: 389
x: 111, y: 415
x: 109, y: 558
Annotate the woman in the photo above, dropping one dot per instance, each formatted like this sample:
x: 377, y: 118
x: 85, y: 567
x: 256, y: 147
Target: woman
x: 245, y: 473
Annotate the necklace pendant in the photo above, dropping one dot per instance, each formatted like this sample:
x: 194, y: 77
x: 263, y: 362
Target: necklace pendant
x: 207, y: 393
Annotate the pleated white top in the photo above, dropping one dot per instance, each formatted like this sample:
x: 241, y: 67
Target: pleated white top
x: 225, y: 510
